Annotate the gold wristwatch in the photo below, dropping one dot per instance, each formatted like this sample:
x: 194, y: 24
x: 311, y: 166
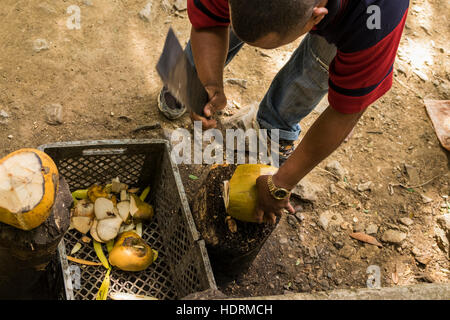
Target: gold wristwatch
x: 276, y: 192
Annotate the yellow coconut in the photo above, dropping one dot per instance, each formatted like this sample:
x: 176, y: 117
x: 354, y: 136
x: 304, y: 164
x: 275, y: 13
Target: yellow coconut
x: 131, y: 253
x: 28, y: 185
x: 240, y: 194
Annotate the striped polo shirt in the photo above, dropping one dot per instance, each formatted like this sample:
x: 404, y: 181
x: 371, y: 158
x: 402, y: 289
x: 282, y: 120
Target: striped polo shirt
x: 362, y: 70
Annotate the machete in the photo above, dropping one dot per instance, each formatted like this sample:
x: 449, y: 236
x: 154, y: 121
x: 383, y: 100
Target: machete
x: 180, y: 77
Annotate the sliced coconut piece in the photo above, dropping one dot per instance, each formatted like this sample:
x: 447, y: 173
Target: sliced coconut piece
x: 28, y: 183
x: 104, y: 208
x: 84, y: 208
x: 21, y: 182
x: 133, y: 206
x: 108, y: 229
x: 140, y: 209
x: 124, y: 209
x: 124, y: 195
x: 115, y: 185
x: 139, y: 229
x: 126, y: 227
x: 123, y: 186
x: 93, y: 231
x: 82, y: 224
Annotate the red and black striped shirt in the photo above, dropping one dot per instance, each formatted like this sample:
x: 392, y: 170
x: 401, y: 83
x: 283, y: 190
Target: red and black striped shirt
x: 362, y: 70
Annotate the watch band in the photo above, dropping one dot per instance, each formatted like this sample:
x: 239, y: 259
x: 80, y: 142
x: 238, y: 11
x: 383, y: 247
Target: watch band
x: 273, y: 189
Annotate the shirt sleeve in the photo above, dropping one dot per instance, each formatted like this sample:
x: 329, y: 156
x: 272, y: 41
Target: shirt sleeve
x: 357, y: 79
x: 208, y: 13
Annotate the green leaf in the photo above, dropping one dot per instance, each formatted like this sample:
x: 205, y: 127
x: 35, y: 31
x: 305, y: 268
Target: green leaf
x: 191, y: 176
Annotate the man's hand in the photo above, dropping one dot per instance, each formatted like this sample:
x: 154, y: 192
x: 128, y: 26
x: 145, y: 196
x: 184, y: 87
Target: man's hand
x: 217, y: 101
x: 268, y: 208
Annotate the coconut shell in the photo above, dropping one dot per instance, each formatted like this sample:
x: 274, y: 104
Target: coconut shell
x: 131, y: 253
x: 31, y: 218
x: 240, y: 195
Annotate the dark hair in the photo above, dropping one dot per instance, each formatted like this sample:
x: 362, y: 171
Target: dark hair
x: 253, y: 19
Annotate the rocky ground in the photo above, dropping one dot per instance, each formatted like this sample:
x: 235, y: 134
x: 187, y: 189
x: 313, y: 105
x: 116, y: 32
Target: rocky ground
x: 390, y: 180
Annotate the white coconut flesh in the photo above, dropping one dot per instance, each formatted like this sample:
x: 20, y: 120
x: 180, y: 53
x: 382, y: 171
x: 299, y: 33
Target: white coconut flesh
x: 21, y: 182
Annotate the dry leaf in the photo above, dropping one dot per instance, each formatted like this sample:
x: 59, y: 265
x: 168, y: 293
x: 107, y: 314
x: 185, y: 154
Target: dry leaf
x: 395, y: 276
x: 82, y: 261
x: 75, y: 248
x: 365, y: 238
x: 86, y: 239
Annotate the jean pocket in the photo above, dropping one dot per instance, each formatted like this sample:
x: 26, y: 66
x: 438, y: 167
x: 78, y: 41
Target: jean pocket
x: 318, y: 71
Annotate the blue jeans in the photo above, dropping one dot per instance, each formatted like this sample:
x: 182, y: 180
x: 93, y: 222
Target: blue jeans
x: 296, y: 89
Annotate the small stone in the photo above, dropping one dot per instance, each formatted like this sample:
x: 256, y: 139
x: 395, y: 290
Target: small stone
x: 401, y: 68
x: 53, y: 114
x: 336, y: 168
x: 329, y: 219
x: 338, y: 244
x: 283, y: 240
x: 365, y: 186
x: 413, y: 174
x: 40, y: 45
x: 307, y: 190
x: 180, y: 5
x: 444, y: 222
x: 292, y: 221
x: 421, y: 75
x: 372, y: 229
x: 426, y: 199
x: 324, y: 283
x: 347, y: 251
x: 88, y: 3
x: 10, y: 136
x: 344, y: 225
x: 406, y: 221
x: 332, y: 188
x: 300, y: 216
x: 358, y: 227
x: 145, y: 14
x: 393, y: 236
x: 421, y: 257
x: 4, y: 116
x: 441, y: 239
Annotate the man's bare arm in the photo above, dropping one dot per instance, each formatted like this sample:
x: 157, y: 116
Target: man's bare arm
x: 210, y: 49
x: 325, y: 135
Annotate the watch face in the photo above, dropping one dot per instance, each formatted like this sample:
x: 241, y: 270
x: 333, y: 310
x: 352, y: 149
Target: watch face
x: 280, y: 193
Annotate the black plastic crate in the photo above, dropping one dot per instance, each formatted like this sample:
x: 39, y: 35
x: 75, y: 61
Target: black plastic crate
x: 182, y: 266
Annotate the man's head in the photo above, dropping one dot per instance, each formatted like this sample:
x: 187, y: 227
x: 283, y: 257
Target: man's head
x: 272, y: 23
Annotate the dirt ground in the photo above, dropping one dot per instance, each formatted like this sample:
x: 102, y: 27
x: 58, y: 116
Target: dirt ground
x: 103, y: 76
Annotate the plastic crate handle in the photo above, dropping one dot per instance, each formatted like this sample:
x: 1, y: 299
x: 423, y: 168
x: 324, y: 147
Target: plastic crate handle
x: 104, y: 152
